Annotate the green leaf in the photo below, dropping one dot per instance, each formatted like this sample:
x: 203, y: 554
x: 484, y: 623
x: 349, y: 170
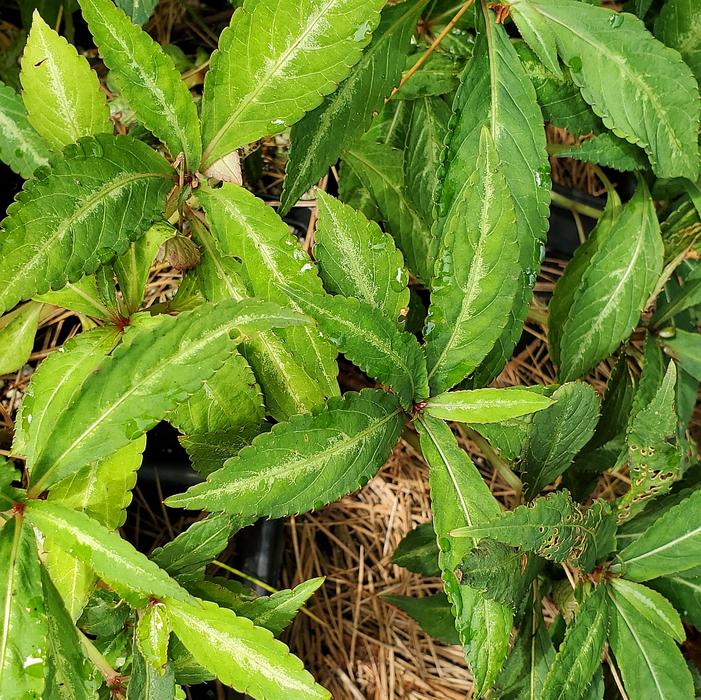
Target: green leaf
x: 460, y: 498
x: 172, y: 358
x: 684, y: 592
x: 9, y: 494
x: 357, y: 259
x: 228, y: 402
x: 653, y: 455
x: 370, y: 340
x: 287, y: 387
x: 246, y: 657
x: 685, y: 347
x: 381, y: 171
x: 17, y: 337
x: 554, y: 527
x: 68, y: 670
x: 55, y: 383
x: 84, y: 297
x: 85, y: 210
x: 276, y: 612
x: 651, y: 605
x: 557, y: 434
x: 151, y: 635
x: 604, y: 149
x: 670, y: 545
x: 527, y: 666
x: 262, y: 80
x: 649, y: 97
x: 683, y: 298
x: 139, y: 11
x: 132, y: 268
x: 145, y: 683
x: 650, y: 663
x: 538, y: 35
x: 418, y: 551
x: 23, y: 627
x: 186, y: 557
x: 246, y: 227
x: 433, y: 613
x: 305, y: 463
x: 60, y: 91
x: 625, y: 264
x: 495, y: 93
x: 474, y: 286
x: 499, y: 572
x: 579, y: 654
x: 439, y: 75
x: 148, y: 79
x: 134, y: 577
x: 486, y: 405
x: 345, y: 114
x: 423, y: 152
x: 678, y: 25
x: 20, y: 146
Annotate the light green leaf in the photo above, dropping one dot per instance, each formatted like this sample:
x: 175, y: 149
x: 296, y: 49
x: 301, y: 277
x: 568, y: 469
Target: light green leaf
x: 246, y: 657
x: 139, y: 11
x: 678, y: 25
x: 345, y: 114
x: 134, y: 577
x: 228, y: 402
x: 650, y: 663
x: 305, y: 463
x: 132, y: 268
x: 287, y: 387
x: 98, y: 197
x: 684, y: 592
x: 554, y: 527
x: 649, y: 96
x: 460, y: 498
x: 186, y: 557
x: 145, y: 683
x: 425, y: 141
x: 651, y: 605
x: 103, y: 491
x: 68, y: 672
x: 172, y: 358
x: 381, y: 171
x: 495, y: 93
x: 20, y: 146
x: 246, y: 227
x: 17, y: 336
x: 83, y: 297
x: 685, y: 347
x: 147, y: 78
x: 670, y: 545
x: 557, y: 434
x: 486, y: 405
x: 625, y: 263
x: 604, y: 149
x: 23, y: 625
x: 370, y: 340
x: 538, y: 35
x: 262, y: 80
x: 474, y: 286
x: 433, y: 613
x: 579, y: 654
x: 418, y: 551
x: 60, y: 91
x: 357, y: 259
x: 151, y: 634
x: 54, y: 385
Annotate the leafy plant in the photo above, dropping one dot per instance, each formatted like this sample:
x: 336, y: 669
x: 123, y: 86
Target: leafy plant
x: 434, y: 116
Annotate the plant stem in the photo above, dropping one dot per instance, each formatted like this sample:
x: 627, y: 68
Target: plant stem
x: 537, y: 315
x: 434, y: 44
x: 560, y: 200
x: 495, y: 459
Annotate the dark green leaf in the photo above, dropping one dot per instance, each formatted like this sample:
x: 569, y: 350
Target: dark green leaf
x: 604, y: 149
x: 678, y: 25
x: 145, y: 683
x: 434, y: 614
x: 418, y: 551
